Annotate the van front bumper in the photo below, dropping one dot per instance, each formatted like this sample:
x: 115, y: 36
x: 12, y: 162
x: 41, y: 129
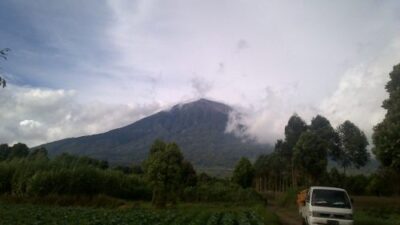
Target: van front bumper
x: 328, y: 221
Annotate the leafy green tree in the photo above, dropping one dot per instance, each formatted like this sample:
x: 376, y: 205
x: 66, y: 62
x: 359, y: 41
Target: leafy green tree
x: 103, y: 164
x: 283, y: 150
x: 164, y: 172
x: 293, y: 130
x: 39, y: 153
x: 353, y: 146
x: 123, y: 169
x: 204, y: 178
x: 85, y: 160
x: 158, y: 145
x: 336, y: 179
x: 3, y: 54
x: 280, y: 166
x: 5, y: 151
x: 137, y: 169
x: 188, y: 174
x: 19, y: 150
x: 243, y: 173
x: 69, y: 160
x: 324, y: 130
x: 310, y: 156
x: 386, y: 137
x: 357, y: 184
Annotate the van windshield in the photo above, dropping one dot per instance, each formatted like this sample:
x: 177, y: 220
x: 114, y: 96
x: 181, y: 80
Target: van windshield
x: 330, y: 198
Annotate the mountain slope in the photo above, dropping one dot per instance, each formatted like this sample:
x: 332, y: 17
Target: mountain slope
x: 198, y: 128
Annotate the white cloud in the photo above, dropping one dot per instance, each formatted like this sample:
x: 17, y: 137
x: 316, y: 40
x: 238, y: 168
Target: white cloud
x: 279, y: 42
x: 35, y: 116
x: 200, y: 86
x: 265, y: 121
x: 361, y: 91
x: 270, y: 58
x: 30, y: 124
x: 358, y: 98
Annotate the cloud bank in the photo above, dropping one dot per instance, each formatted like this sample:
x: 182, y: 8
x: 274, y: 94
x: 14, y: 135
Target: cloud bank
x: 358, y: 98
x: 125, y: 59
x: 36, y: 115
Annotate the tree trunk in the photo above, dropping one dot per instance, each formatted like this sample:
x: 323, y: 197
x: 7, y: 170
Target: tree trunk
x: 294, y: 178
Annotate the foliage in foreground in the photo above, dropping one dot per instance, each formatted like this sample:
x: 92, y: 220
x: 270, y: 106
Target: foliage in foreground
x: 374, y: 217
x: 373, y: 210
x: 187, y: 215
x: 30, y: 174
x: 243, y: 173
x: 42, y: 177
x: 301, y: 158
x: 164, y: 172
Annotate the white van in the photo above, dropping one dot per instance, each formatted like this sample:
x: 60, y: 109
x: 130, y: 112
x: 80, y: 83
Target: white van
x: 326, y: 205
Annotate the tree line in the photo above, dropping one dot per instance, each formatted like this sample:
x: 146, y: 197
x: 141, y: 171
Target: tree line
x: 302, y: 157
x: 165, y: 177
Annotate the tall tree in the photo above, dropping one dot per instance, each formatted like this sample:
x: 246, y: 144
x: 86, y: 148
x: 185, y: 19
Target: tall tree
x: 3, y: 55
x: 353, y: 146
x: 293, y: 130
x: 189, y: 175
x: 5, y: 151
x: 243, y: 173
x: 19, y: 150
x: 281, y: 164
x: 164, y: 171
x: 310, y: 156
x: 386, y: 137
x: 321, y: 127
x: 283, y: 150
x: 158, y: 145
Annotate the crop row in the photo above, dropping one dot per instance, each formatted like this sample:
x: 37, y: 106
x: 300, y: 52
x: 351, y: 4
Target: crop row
x: 37, y: 215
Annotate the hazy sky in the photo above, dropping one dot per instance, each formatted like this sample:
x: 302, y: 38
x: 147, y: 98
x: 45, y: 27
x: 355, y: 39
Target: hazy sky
x: 82, y: 67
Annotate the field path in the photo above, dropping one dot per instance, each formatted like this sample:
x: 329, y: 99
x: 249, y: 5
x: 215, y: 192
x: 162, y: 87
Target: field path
x: 287, y: 216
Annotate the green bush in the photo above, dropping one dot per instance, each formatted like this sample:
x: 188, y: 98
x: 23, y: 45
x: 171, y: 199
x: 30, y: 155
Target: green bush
x: 6, y: 174
x: 119, y: 185
x: 288, y: 198
x: 220, y: 191
x: 68, y: 176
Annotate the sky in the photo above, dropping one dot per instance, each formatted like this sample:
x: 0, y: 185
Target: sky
x: 84, y: 67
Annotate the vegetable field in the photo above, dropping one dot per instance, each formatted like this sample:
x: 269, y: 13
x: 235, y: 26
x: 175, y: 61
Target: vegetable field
x: 37, y: 215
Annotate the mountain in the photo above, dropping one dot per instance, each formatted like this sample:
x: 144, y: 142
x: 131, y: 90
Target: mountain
x: 197, y: 127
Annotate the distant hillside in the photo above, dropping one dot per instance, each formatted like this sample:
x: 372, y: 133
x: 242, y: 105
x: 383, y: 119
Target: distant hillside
x: 198, y: 127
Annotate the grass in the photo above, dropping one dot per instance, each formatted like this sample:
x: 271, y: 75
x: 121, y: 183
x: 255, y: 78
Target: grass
x: 373, y: 210
x: 364, y: 218
x: 368, y: 202
x: 182, y: 214
x: 270, y: 218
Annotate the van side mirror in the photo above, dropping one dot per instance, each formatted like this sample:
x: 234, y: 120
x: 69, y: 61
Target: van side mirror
x: 303, y: 203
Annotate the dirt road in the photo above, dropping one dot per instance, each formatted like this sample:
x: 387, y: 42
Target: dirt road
x: 287, y: 216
